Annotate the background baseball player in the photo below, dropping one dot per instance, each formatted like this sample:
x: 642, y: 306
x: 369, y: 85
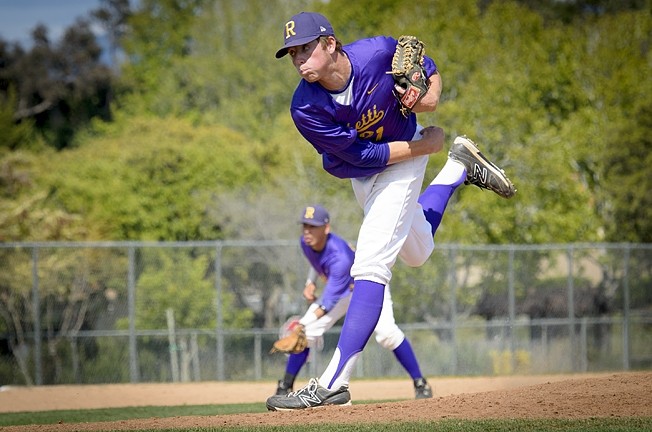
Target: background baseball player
x: 357, y: 109
x: 331, y: 258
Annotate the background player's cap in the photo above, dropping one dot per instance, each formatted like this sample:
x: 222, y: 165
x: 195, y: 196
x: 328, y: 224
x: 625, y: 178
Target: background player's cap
x: 302, y: 28
x: 315, y: 215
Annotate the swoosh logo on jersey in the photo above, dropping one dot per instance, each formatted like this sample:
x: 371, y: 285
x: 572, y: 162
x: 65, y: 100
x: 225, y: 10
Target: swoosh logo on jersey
x: 372, y: 89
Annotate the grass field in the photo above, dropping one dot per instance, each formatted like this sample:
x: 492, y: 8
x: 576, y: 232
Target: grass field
x: 40, y: 420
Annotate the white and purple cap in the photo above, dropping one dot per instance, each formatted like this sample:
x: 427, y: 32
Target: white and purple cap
x: 302, y: 28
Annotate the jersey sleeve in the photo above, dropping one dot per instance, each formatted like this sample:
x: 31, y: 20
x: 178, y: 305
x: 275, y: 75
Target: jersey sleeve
x: 327, y: 136
x: 337, y: 285
x: 365, y: 154
x: 312, y: 275
x: 429, y: 65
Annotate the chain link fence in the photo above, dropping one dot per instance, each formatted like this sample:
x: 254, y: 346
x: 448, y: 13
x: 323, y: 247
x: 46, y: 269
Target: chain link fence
x: 117, y: 312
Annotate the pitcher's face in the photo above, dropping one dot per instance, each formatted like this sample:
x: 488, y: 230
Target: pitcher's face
x: 315, y: 236
x: 311, y: 60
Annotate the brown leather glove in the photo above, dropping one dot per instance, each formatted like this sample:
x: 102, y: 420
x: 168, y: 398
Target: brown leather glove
x: 408, y: 72
x: 294, y: 343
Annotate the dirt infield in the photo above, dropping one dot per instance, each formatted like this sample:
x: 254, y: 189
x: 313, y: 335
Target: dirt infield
x: 556, y: 396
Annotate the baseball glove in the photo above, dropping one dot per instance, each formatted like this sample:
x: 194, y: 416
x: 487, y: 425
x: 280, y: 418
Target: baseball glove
x: 294, y: 343
x: 408, y: 72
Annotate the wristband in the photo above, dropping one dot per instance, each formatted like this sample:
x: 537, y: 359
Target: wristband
x: 308, y: 319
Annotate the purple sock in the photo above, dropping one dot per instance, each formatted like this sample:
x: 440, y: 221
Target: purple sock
x: 434, y: 200
x: 360, y: 321
x: 296, y: 362
x: 405, y: 355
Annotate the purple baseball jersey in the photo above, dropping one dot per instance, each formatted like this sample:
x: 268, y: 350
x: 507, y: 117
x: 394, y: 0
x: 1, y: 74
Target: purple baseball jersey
x: 351, y: 129
x: 334, y: 262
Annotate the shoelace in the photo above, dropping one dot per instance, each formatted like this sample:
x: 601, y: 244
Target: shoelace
x: 310, y: 388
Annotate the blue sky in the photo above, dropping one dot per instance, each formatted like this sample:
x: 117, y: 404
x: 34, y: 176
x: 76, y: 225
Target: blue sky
x: 19, y: 17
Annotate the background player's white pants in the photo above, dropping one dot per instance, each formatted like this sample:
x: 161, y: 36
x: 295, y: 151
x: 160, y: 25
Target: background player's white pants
x: 394, y: 224
x: 388, y: 334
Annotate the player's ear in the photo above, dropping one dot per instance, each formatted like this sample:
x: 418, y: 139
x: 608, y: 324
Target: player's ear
x: 327, y: 228
x: 331, y: 44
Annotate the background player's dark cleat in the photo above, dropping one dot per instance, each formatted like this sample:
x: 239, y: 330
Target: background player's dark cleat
x: 312, y: 395
x: 480, y: 171
x: 422, y: 389
x: 283, y: 388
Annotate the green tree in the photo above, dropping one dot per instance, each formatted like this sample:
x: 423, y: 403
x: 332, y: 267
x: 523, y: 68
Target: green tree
x: 613, y: 145
x: 627, y: 182
x: 71, y: 292
x: 215, y: 64
x: 15, y: 134
x: 60, y: 86
x: 158, y: 37
x: 26, y: 211
x: 156, y: 187
x: 180, y: 280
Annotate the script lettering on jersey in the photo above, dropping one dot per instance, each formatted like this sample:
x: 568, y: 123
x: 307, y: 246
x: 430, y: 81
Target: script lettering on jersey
x: 367, y: 120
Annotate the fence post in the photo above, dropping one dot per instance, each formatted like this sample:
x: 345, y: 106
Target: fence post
x: 194, y: 353
x: 571, y: 308
x: 36, y: 315
x: 258, y: 352
x: 131, y: 300
x: 626, y: 359
x: 512, y: 307
x: 172, y: 342
x: 452, y: 255
x: 74, y: 353
x: 584, y: 357
x: 219, y: 326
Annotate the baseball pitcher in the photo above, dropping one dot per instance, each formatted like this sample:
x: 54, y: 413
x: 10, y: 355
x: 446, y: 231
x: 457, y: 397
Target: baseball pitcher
x: 357, y: 105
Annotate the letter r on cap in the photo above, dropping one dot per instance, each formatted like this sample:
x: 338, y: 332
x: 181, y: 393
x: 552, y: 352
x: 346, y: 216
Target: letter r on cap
x: 289, y: 29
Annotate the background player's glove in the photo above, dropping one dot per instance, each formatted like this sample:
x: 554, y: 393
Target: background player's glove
x: 293, y: 343
x: 408, y: 72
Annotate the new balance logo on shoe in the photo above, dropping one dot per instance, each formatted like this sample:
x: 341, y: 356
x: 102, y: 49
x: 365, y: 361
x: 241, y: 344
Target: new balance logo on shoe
x: 310, y: 399
x: 480, y: 171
